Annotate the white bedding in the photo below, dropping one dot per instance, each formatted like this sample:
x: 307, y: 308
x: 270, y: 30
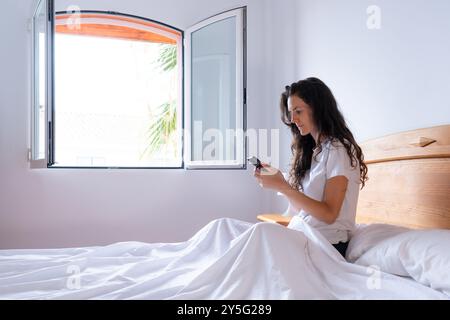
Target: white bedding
x: 227, y: 259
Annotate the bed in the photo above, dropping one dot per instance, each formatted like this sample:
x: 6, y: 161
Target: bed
x: 396, y: 252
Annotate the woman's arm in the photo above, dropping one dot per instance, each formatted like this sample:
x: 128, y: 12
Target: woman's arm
x: 326, y: 210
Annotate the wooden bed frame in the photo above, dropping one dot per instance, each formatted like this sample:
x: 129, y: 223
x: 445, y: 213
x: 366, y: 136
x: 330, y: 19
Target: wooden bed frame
x: 409, y: 180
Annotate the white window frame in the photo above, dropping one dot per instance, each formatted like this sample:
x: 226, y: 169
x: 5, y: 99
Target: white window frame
x: 240, y: 102
x: 35, y: 161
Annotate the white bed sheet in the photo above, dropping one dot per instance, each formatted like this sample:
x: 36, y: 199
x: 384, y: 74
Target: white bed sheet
x: 227, y: 259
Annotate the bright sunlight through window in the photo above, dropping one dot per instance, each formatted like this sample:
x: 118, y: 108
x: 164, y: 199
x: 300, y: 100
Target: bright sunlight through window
x: 117, y: 98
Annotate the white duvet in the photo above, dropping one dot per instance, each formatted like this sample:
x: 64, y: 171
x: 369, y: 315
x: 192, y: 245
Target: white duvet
x: 227, y: 259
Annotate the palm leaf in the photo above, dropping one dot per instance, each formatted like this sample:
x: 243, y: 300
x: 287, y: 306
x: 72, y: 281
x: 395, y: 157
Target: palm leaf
x: 167, y: 57
x: 165, y: 123
x: 160, y: 130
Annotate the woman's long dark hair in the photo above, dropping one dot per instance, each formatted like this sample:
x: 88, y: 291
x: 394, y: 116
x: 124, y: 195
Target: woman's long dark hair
x: 329, y: 123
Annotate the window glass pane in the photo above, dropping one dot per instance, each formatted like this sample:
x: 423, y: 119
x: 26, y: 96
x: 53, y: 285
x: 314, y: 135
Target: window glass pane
x: 39, y: 24
x: 213, y: 98
x: 116, y: 96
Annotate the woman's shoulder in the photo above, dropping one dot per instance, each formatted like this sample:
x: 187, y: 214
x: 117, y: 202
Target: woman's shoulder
x: 333, y: 143
x: 339, y: 161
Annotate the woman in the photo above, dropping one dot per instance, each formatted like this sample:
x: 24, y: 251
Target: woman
x: 327, y: 166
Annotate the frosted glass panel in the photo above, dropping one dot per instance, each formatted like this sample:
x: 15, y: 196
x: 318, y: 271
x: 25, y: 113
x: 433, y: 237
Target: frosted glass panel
x: 213, y: 98
x: 39, y: 25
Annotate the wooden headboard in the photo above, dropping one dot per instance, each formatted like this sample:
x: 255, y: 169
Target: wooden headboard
x: 409, y: 179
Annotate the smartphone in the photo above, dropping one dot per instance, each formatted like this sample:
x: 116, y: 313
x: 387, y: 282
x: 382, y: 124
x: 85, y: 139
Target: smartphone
x: 255, y: 161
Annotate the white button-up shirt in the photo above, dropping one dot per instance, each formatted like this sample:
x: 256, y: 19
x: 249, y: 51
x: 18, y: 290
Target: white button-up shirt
x: 332, y: 161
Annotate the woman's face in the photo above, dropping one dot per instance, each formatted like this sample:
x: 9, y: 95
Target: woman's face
x: 301, y: 115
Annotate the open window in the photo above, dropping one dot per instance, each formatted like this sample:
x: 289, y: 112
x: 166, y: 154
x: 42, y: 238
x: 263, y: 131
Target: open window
x: 112, y: 90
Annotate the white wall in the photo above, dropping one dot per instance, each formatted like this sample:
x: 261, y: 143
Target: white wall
x: 388, y: 80
x: 76, y: 207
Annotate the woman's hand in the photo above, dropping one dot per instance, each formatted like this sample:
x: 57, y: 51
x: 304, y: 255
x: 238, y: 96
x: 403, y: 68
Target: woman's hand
x: 270, y: 178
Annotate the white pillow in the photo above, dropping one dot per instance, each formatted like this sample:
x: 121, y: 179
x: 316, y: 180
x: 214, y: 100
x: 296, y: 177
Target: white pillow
x: 364, y: 237
x: 423, y: 255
